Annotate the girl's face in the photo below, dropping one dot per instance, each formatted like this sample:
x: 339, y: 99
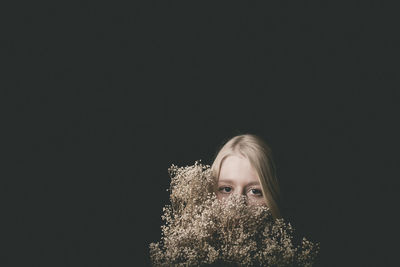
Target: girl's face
x: 237, y: 176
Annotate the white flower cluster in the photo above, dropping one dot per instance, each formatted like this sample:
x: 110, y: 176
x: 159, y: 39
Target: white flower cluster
x: 201, y: 230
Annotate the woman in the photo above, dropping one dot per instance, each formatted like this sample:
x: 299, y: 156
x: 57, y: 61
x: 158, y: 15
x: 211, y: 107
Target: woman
x: 199, y: 231
x: 244, y: 165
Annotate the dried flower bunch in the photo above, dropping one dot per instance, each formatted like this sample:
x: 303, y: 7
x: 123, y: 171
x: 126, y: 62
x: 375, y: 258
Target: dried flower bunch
x: 201, y: 230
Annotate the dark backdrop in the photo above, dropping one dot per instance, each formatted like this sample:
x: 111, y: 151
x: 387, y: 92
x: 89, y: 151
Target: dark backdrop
x: 102, y: 98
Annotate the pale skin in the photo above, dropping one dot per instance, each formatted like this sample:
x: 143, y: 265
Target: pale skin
x: 237, y: 176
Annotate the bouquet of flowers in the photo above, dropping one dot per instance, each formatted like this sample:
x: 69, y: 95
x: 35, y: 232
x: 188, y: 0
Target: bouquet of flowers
x: 201, y: 230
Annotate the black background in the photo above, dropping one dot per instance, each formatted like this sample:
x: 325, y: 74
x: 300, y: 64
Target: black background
x: 101, y: 98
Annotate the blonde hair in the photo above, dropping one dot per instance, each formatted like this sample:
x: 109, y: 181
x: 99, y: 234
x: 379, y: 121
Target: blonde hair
x: 260, y: 157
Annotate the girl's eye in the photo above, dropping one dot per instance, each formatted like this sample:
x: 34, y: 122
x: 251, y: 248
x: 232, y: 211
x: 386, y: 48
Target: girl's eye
x: 225, y: 189
x: 256, y: 192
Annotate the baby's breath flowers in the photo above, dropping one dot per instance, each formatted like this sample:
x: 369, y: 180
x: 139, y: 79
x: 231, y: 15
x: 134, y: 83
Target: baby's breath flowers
x: 201, y: 230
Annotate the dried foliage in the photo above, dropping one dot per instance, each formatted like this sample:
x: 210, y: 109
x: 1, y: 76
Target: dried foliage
x: 201, y: 230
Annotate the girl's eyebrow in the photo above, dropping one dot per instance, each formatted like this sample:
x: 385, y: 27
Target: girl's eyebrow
x: 253, y: 183
x: 226, y: 181
x: 229, y: 181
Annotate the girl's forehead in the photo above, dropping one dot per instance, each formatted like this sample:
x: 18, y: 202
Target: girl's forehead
x: 237, y: 168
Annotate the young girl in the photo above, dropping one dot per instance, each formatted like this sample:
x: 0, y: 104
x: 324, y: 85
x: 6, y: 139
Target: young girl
x: 199, y: 230
x: 244, y: 166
